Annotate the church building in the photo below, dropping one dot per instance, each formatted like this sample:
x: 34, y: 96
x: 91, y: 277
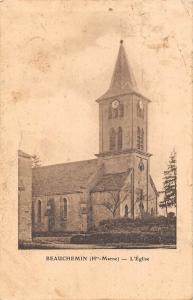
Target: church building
x: 76, y: 196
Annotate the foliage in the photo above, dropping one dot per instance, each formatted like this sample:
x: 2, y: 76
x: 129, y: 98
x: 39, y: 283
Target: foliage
x: 171, y: 215
x: 126, y: 224
x: 54, y: 233
x: 124, y: 237
x: 36, y: 162
x: 114, y: 202
x: 116, y: 222
x: 169, y: 184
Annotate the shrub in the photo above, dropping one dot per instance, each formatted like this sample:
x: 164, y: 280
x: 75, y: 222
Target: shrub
x: 53, y: 234
x: 126, y: 224
x: 131, y: 237
x: 171, y: 215
x: 115, y: 222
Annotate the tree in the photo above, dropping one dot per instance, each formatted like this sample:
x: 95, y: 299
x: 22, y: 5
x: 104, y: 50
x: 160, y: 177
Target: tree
x: 169, y: 184
x: 114, y: 202
x: 36, y: 162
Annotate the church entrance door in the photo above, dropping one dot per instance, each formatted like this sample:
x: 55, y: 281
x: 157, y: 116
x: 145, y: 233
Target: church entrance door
x: 51, y: 215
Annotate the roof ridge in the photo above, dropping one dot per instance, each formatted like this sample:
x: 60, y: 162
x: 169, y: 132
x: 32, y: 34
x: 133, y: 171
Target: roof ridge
x: 66, y: 163
x: 24, y: 154
x: 118, y: 172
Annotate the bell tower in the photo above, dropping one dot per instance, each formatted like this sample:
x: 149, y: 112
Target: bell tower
x: 123, y: 128
x: 122, y: 112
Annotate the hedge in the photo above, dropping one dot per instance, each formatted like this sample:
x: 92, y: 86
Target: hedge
x: 145, y: 224
x: 54, y: 233
x: 139, y: 221
x: 131, y: 237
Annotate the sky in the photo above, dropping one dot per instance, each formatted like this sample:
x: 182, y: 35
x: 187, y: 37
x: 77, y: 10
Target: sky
x: 60, y: 58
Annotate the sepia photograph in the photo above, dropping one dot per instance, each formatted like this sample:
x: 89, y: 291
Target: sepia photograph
x: 96, y: 150
x: 110, y: 201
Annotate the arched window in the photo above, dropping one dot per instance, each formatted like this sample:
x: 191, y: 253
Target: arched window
x: 112, y: 139
x: 142, y: 139
x: 126, y: 211
x: 63, y: 208
x: 119, y: 138
x: 121, y: 110
x: 140, y: 109
x: 115, y: 113
x: 110, y: 112
x: 141, y: 209
x: 39, y: 211
x: 138, y: 137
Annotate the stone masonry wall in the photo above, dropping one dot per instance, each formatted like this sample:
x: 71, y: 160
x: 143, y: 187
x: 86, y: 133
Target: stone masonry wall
x: 24, y: 197
x: 99, y: 211
x: 75, y: 215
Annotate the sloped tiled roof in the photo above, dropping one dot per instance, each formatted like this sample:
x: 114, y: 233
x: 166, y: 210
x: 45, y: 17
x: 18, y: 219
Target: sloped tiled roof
x: 153, y: 186
x: 62, y: 178
x: 23, y: 154
x: 111, y: 182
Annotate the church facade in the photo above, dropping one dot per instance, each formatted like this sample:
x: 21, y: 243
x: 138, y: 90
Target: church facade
x: 76, y: 196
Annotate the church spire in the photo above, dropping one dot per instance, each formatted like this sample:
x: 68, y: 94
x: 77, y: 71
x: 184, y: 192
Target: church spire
x: 122, y: 75
x: 123, y: 80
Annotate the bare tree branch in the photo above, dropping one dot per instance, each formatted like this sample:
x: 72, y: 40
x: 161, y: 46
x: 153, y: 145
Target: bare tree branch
x: 115, y: 202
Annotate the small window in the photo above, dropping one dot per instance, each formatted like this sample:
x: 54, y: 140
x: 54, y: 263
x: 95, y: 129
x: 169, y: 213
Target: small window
x: 142, y: 139
x: 112, y: 139
x: 141, y: 165
x: 126, y: 211
x: 119, y: 138
x: 39, y: 211
x: 115, y: 113
x: 140, y: 109
x: 141, y: 196
x: 141, y: 209
x: 63, y: 208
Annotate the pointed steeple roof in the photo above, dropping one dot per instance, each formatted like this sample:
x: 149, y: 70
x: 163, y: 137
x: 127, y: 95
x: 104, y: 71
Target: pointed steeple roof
x: 123, y: 81
x: 122, y: 75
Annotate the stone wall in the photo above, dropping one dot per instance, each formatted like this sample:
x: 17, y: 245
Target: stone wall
x: 24, y: 197
x: 141, y: 175
x: 126, y: 197
x: 99, y: 211
x: 117, y: 163
x: 128, y: 122
x: 74, y: 221
x: 140, y: 122
x: 125, y: 122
